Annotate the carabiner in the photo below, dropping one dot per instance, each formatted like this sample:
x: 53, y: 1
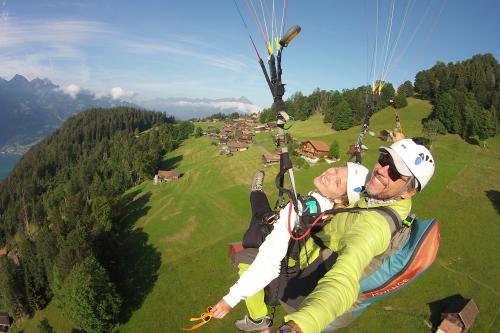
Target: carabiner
x: 204, y: 317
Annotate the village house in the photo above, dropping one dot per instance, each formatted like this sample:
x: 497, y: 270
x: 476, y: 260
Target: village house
x: 245, y: 137
x: 458, y: 317
x: 270, y: 159
x: 260, y: 128
x: 229, y: 128
x: 166, y: 176
x: 314, y: 149
x: 236, y: 146
x: 271, y: 125
x: 4, y: 322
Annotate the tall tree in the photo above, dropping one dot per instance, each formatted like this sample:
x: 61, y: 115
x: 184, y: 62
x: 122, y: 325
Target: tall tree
x: 88, y: 297
x: 342, y: 116
x: 406, y: 89
x: 334, y: 150
x: 386, y: 96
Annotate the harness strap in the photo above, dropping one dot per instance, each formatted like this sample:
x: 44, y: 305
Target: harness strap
x: 395, y: 222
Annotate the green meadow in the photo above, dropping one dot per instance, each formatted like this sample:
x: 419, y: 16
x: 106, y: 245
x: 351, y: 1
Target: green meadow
x: 183, y: 229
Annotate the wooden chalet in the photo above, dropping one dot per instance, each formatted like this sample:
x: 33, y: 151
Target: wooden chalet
x: 271, y: 125
x: 166, y: 176
x: 269, y: 159
x: 229, y: 128
x: 5, y: 322
x: 260, y: 128
x: 246, y: 137
x: 236, y: 146
x: 458, y: 317
x: 314, y: 148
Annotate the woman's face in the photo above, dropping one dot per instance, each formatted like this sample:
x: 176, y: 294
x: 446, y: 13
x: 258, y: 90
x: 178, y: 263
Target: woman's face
x: 332, y: 183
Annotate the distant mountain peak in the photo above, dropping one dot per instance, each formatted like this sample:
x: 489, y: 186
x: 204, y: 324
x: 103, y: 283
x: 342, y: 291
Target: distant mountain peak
x: 243, y: 99
x: 18, y: 80
x: 43, y: 83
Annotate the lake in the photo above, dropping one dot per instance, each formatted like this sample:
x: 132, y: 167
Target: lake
x: 7, y: 162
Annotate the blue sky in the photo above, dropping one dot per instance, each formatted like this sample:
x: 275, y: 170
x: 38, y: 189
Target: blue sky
x: 200, y: 49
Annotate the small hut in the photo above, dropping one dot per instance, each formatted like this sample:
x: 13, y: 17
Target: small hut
x: 458, y: 317
x: 5, y: 322
x: 3, y: 252
x: 166, y: 176
x: 270, y: 159
x: 260, y: 128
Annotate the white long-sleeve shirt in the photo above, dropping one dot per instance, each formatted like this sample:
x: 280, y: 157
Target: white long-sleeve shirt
x: 266, y: 266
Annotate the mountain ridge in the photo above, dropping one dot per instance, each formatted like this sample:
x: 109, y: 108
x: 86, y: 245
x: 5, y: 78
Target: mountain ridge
x: 30, y: 110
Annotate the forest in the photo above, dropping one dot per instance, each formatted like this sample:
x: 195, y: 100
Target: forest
x: 60, y: 213
x: 465, y: 97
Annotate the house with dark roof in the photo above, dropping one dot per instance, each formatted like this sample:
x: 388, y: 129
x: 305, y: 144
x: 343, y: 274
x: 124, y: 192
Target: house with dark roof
x: 270, y: 159
x: 5, y: 322
x: 458, y: 317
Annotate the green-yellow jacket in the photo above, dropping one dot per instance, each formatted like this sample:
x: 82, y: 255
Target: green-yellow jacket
x: 357, y: 238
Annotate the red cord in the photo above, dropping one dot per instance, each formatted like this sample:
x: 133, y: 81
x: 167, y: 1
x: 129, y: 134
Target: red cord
x: 308, y: 231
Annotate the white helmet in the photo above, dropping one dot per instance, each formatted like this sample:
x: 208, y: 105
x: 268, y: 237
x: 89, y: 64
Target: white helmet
x: 412, y: 159
x: 356, y: 178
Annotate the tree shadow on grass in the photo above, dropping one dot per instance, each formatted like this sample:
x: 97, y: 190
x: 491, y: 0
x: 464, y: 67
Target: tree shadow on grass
x: 437, y: 307
x: 171, y: 163
x: 134, y: 262
x: 494, y: 197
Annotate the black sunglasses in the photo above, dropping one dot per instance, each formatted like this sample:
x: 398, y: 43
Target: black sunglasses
x: 385, y: 159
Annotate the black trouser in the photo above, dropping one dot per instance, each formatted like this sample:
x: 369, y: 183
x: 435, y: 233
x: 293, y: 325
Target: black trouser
x: 257, y: 231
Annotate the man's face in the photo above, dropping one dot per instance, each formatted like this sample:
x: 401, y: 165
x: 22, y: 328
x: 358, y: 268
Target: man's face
x: 386, y: 182
x: 332, y: 183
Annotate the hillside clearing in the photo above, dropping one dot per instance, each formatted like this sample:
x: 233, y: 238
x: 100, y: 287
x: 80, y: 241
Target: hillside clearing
x: 190, y: 221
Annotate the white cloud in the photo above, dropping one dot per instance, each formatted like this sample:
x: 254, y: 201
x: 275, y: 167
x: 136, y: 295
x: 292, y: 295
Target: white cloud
x: 224, y: 105
x: 142, y: 46
x: 119, y: 93
x: 59, y: 34
x: 71, y: 90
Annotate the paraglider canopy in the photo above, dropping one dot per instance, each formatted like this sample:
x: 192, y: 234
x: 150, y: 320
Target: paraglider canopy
x: 290, y: 34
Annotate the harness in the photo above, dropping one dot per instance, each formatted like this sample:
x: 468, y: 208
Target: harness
x: 400, y: 230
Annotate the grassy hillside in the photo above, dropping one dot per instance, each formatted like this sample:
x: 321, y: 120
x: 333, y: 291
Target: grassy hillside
x: 190, y: 222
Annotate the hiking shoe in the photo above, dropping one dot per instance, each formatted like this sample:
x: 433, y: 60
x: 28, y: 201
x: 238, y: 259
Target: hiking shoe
x: 258, y: 181
x: 246, y: 324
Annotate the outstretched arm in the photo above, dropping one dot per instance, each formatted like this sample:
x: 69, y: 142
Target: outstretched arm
x: 263, y: 270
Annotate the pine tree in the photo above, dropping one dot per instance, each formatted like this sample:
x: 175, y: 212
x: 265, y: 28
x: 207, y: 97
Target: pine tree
x: 400, y: 100
x: 342, y: 116
x: 334, y: 150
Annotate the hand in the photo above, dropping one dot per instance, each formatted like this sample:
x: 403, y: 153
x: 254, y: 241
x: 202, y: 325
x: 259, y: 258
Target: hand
x: 221, y: 309
x: 270, y: 330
